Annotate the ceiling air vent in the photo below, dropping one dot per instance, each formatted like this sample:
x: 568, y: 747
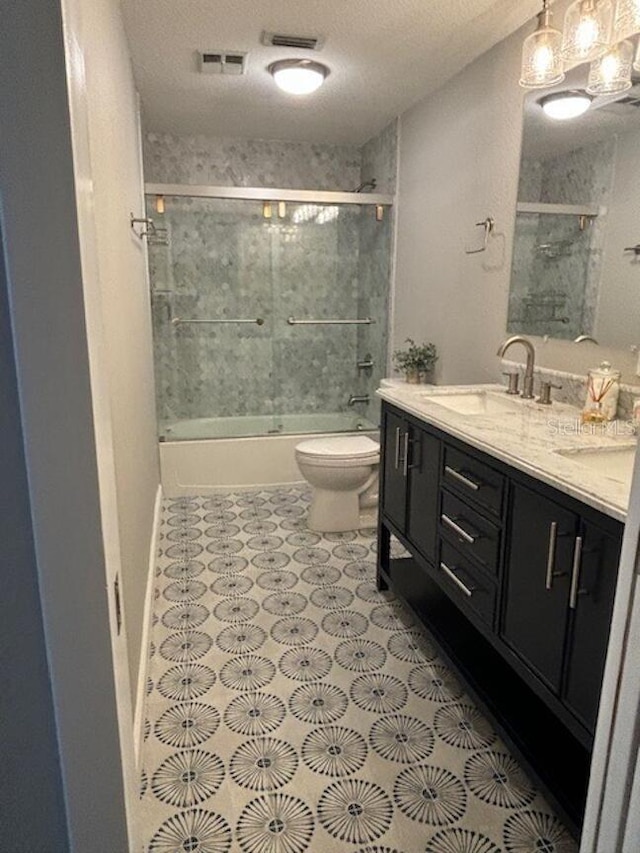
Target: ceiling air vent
x: 296, y: 42
x: 222, y: 62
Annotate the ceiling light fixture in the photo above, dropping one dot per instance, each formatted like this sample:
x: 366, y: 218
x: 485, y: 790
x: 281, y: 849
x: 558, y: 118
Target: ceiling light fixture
x: 562, y: 106
x: 541, y: 59
x: 627, y: 19
x: 587, y: 30
x: 298, y: 76
x: 592, y: 33
x: 611, y: 73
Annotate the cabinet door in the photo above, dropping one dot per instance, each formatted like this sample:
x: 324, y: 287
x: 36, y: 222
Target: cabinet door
x: 594, y: 593
x: 424, y: 466
x: 395, y: 444
x: 542, y: 540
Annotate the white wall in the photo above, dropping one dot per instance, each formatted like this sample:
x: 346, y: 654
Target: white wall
x: 116, y: 171
x: 459, y: 163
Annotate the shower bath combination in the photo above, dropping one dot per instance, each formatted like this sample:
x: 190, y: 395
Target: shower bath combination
x: 265, y: 329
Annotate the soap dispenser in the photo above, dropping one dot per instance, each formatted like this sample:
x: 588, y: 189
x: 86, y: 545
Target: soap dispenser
x: 603, y: 387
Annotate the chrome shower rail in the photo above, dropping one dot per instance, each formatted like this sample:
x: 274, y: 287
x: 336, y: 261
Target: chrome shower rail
x: 180, y: 321
x: 366, y: 322
x: 269, y: 194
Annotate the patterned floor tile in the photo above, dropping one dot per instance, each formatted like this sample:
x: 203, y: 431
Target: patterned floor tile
x: 291, y: 706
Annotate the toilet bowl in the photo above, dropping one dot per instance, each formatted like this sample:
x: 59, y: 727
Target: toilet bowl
x: 343, y: 471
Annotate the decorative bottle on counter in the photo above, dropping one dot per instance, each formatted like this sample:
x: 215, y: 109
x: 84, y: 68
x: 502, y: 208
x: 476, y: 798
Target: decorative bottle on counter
x: 603, y: 387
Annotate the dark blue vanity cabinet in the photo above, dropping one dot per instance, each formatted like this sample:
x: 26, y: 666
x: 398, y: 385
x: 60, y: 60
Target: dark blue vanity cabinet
x: 515, y: 579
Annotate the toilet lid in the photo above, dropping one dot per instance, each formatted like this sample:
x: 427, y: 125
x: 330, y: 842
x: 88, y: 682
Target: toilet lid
x: 336, y: 447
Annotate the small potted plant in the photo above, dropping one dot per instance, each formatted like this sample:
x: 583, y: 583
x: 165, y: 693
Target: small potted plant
x: 416, y: 361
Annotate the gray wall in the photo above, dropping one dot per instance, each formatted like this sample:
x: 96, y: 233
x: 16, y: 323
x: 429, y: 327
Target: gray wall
x: 47, y: 308
x: 459, y: 162
x: 29, y: 760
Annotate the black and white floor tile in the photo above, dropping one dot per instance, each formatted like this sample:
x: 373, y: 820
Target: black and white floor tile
x: 292, y: 707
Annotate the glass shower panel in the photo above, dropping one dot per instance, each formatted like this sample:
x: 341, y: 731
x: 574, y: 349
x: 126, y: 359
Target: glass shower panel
x: 374, y: 273
x: 315, y: 270
x: 553, y: 278
x: 211, y: 286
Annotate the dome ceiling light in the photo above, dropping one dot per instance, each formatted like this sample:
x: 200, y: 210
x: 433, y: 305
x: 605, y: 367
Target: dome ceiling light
x: 565, y: 105
x: 298, y: 76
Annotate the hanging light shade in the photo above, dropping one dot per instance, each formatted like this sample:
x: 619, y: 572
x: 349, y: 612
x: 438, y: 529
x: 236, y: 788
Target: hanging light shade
x: 541, y: 57
x: 611, y: 73
x: 587, y: 30
x: 627, y: 19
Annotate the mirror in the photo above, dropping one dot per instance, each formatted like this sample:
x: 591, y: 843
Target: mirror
x: 574, y: 270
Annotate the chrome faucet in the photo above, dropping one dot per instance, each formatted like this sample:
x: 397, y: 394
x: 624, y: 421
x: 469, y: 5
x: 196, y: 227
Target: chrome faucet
x: 358, y: 398
x: 527, y: 382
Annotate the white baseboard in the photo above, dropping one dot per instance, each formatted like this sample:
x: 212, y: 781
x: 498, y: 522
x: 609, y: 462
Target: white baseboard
x: 143, y: 668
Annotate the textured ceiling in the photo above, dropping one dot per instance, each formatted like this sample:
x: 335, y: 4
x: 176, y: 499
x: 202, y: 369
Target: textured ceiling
x: 384, y: 55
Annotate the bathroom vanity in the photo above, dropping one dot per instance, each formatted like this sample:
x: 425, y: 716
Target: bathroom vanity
x: 511, y: 537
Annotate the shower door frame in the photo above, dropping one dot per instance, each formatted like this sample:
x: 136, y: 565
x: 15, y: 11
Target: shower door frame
x: 270, y: 194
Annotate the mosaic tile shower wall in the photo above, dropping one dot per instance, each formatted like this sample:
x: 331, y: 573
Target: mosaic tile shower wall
x: 224, y: 260
x: 556, y: 262
x: 173, y: 159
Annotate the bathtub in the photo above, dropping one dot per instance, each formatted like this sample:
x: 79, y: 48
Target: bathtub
x: 206, y: 455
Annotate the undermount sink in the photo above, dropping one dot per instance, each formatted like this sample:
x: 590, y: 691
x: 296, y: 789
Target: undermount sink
x: 613, y: 462
x: 475, y: 402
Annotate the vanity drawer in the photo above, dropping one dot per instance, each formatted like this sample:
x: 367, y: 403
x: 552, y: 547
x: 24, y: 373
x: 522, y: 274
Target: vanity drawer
x: 468, y: 476
x: 473, y: 534
x: 465, y: 583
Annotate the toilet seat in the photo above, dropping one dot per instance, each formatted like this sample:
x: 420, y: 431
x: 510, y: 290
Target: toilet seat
x: 339, y: 450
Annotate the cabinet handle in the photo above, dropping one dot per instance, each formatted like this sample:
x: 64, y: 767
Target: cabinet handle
x: 459, y: 530
x: 397, y: 456
x: 462, y: 478
x: 416, y: 442
x: 452, y: 576
x: 405, y: 461
x: 575, y: 573
x: 551, y: 555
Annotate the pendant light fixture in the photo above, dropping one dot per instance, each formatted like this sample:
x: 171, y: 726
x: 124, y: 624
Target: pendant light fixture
x: 541, y: 56
x: 627, y: 19
x: 611, y: 73
x: 587, y: 30
x: 592, y: 33
x: 298, y: 76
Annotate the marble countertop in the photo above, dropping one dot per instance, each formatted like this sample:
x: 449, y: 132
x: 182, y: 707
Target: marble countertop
x: 528, y: 437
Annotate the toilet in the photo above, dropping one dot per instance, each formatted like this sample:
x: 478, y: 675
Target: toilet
x: 343, y: 471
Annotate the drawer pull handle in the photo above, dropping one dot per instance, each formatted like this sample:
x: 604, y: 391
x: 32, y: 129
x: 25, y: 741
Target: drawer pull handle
x: 551, y: 554
x: 397, y: 456
x: 462, y: 533
x: 452, y: 576
x: 462, y: 478
x: 405, y: 461
x: 575, y: 573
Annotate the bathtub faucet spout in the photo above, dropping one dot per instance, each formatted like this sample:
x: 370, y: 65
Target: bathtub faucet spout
x: 358, y: 398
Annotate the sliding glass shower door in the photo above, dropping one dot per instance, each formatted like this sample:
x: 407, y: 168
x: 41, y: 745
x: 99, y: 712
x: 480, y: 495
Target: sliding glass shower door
x: 262, y: 312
